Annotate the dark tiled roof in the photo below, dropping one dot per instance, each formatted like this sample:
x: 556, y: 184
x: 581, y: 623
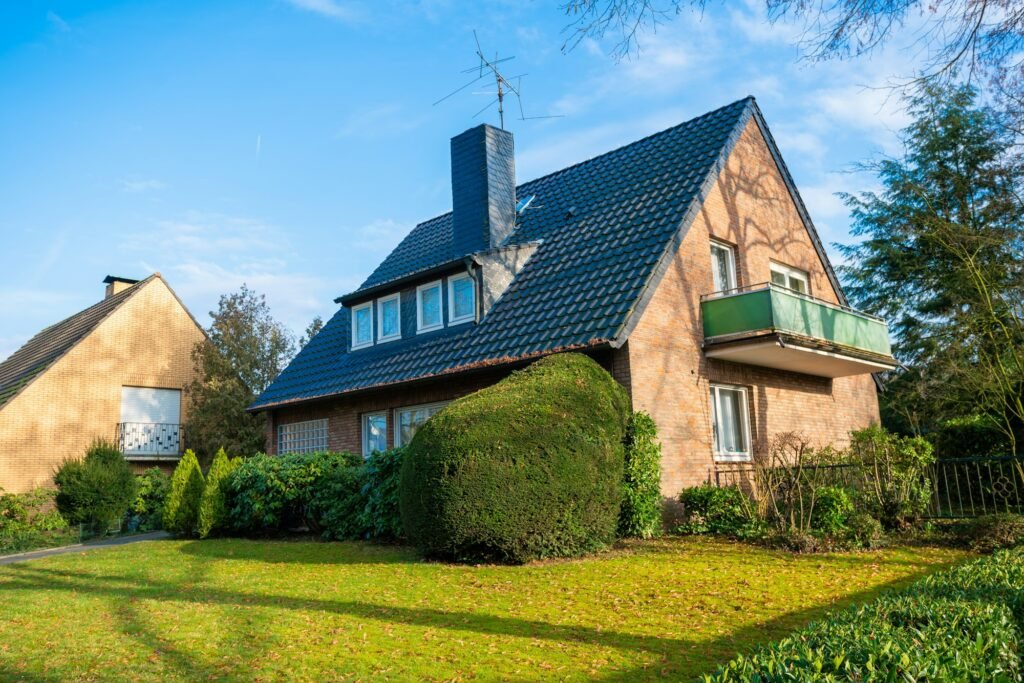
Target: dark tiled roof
x: 607, y: 227
x: 42, y: 350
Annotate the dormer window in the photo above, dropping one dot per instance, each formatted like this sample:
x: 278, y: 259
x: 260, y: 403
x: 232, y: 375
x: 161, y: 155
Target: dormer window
x: 428, y: 307
x: 461, y: 299
x: 389, y: 321
x: 362, y: 325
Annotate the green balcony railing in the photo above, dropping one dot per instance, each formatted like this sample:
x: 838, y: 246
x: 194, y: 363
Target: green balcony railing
x: 771, y: 308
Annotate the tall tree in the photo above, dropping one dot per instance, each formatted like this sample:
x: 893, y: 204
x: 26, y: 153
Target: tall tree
x: 315, y: 325
x: 245, y: 350
x: 942, y: 258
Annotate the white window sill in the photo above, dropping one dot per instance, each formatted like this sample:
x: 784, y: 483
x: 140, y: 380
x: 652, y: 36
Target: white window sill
x: 732, y: 457
x: 366, y: 345
x: 384, y: 340
x: 421, y: 330
x: 460, y: 321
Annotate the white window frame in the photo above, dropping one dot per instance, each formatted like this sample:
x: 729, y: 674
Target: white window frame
x: 355, y: 310
x: 715, y: 395
x: 311, y: 434
x: 791, y: 273
x: 731, y: 250
x: 452, y: 320
x: 366, y: 431
x: 397, y: 298
x: 419, y: 306
x: 397, y: 417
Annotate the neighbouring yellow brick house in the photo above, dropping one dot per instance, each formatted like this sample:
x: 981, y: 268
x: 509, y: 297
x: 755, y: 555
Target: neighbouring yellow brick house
x: 116, y: 371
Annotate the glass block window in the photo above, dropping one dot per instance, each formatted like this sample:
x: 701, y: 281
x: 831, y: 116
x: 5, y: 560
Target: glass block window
x: 389, y: 322
x: 461, y: 299
x: 375, y: 433
x: 428, y: 307
x: 302, y: 437
x: 408, y: 420
x: 362, y: 325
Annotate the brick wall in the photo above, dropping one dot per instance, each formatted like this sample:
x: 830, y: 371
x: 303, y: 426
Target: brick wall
x: 749, y: 207
x: 147, y: 342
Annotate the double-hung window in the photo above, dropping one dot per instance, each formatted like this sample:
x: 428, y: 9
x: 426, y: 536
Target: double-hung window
x: 723, y: 266
x: 389, y: 320
x: 362, y: 325
x: 302, y: 437
x: 410, y: 419
x: 461, y: 299
x: 789, y: 277
x: 730, y: 423
x: 428, y: 307
x: 375, y: 433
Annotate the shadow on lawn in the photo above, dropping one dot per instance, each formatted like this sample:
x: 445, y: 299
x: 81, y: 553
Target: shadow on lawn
x: 299, y: 551
x: 670, y: 656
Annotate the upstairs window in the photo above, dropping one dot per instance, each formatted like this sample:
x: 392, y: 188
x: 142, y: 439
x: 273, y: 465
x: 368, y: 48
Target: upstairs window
x: 428, y: 307
x: 787, y: 276
x: 389, y: 322
x: 723, y: 266
x: 730, y: 425
x: 362, y: 325
x: 461, y: 299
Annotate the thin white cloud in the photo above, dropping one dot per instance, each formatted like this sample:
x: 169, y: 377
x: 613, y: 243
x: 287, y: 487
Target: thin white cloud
x: 57, y: 22
x: 331, y: 9
x: 138, y: 185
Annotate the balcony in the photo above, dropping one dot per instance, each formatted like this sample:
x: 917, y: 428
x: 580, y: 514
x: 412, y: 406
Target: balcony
x: 776, y: 327
x: 150, y: 441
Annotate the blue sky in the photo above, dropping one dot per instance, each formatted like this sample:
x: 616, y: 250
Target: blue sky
x: 290, y: 144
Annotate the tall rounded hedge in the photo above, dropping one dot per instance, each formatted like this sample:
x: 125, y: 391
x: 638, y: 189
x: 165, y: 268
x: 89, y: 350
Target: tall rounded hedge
x: 528, y: 468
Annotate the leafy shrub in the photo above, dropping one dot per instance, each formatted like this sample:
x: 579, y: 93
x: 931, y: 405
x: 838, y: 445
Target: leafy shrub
x: 530, y: 467
x: 863, y: 531
x: 268, y: 494
x: 895, y: 487
x: 181, y: 511
x: 96, y: 490
x: 832, y: 509
x: 146, y: 512
x: 993, y: 532
x: 29, y: 520
x: 382, y: 479
x: 718, y: 510
x: 213, y: 515
x: 337, y: 506
x: 640, y: 515
x: 960, y: 625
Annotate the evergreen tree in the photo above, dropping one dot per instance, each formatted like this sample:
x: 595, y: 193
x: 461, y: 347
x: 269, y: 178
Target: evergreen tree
x: 181, y: 511
x: 213, y: 507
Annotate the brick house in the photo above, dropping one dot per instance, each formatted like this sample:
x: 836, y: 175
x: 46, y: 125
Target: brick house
x: 685, y: 263
x: 115, y: 370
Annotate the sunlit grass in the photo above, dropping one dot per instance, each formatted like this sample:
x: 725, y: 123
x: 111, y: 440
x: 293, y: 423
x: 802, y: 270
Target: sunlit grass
x: 247, y: 610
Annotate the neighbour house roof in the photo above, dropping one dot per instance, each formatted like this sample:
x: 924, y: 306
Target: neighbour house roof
x: 607, y: 230
x: 44, y: 349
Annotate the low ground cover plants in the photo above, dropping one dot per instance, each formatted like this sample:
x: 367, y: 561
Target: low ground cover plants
x: 30, y: 520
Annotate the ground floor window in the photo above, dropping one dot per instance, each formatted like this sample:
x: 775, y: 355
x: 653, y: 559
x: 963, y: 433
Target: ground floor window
x: 408, y: 420
x: 730, y: 422
x: 302, y: 437
x: 375, y: 433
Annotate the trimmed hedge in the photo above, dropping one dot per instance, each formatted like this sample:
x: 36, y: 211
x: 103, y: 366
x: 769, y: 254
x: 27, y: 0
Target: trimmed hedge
x: 640, y: 516
x: 719, y: 510
x: 964, y: 624
x: 383, y: 477
x: 528, y: 468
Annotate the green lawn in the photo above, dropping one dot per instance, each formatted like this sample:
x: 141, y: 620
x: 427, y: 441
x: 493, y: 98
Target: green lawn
x: 245, y: 610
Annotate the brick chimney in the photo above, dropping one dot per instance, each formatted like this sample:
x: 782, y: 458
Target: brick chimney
x: 116, y: 285
x: 483, y: 188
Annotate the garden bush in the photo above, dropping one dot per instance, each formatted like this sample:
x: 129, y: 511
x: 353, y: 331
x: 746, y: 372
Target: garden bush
x: 382, y: 479
x: 146, y: 511
x: 96, y: 490
x: 528, y: 468
x: 964, y: 624
x: 993, y: 532
x: 269, y: 494
x: 213, y: 515
x: 29, y: 520
x: 640, y: 515
x: 894, y: 487
x: 832, y: 510
x: 718, y: 510
x: 336, y: 504
x: 181, y: 510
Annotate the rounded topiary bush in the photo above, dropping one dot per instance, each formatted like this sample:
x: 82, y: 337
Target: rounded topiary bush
x: 528, y: 468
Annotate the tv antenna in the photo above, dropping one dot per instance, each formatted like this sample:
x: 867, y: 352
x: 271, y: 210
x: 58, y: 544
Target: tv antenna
x: 488, y: 68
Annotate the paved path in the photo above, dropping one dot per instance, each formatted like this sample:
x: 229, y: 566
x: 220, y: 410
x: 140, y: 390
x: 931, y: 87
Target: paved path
x: 82, y: 547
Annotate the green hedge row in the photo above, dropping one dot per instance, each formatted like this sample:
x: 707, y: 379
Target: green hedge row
x: 964, y: 624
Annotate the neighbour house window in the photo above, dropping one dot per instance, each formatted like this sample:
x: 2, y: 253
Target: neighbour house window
x: 408, y: 420
x: 375, y: 433
x: 792, y: 278
x: 302, y: 437
x: 428, y: 307
x: 723, y: 266
x: 362, y: 325
x: 730, y: 424
x: 389, y: 322
x: 461, y: 298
